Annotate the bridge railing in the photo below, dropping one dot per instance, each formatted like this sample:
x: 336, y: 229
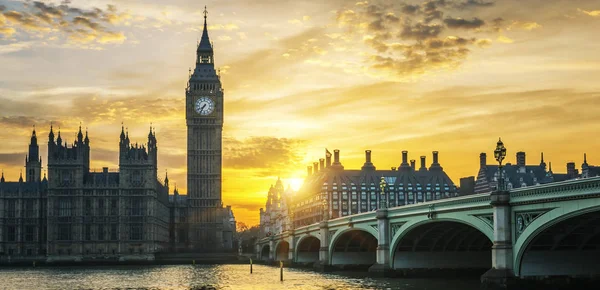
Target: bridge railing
x: 561, y: 189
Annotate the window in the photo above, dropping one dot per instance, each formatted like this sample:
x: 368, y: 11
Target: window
x: 101, y: 207
x: 100, y: 232
x: 11, y: 210
x: 29, y: 232
x: 29, y: 212
x: 11, y: 234
x: 136, y: 231
x: 114, y: 228
x: 137, y: 206
x: 88, y: 207
x: 363, y: 195
x: 88, y: 232
x: 64, y: 207
x: 114, y: 210
x: 64, y: 232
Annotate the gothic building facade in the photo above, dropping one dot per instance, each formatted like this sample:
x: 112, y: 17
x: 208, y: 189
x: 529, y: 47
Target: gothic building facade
x: 111, y: 214
x: 204, y: 120
x: 275, y: 218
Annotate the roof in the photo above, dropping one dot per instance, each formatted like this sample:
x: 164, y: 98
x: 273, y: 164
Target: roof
x: 403, y: 177
x: 205, y: 45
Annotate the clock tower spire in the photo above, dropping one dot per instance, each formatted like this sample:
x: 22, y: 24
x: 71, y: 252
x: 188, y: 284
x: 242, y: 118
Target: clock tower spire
x: 204, y: 120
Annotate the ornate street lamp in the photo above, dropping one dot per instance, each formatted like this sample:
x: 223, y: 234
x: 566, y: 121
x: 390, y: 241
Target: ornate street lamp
x: 499, y: 154
x: 324, y: 203
x: 382, y: 199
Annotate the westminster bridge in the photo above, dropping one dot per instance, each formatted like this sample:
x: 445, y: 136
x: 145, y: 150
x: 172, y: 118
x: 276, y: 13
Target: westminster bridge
x: 539, y: 231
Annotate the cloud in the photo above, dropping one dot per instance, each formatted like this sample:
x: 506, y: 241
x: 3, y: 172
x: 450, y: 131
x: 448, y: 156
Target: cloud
x: 267, y: 153
x: 12, y: 158
x: 227, y: 26
x: 593, y: 13
x: 464, y: 23
x: 523, y: 25
x: 421, y: 31
x: 474, y: 4
x: 75, y: 25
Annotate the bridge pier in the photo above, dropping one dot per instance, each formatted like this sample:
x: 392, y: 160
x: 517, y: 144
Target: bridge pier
x: 382, y: 267
x: 272, y: 251
x: 323, y: 265
x: 501, y: 276
x: 291, y: 248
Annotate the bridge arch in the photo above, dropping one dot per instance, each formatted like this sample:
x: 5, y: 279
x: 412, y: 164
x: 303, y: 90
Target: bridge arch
x: 564, y: 241
x: 264, y: 252
x: 282, y: 249
x: 443, y: 243
x: 307, y: 249
x: 354, y: 246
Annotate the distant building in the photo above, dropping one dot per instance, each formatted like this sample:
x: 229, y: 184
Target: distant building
x: 78, y: 214
x: 275, y: 218
x: 467, y: 185
x: 23, y: 208
x: 349, y: 192
x: 522, y: 175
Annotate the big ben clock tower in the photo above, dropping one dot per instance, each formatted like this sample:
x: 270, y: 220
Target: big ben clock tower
x: 204, y: 119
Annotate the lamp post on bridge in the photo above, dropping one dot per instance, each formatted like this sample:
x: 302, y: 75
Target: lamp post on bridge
x: 500, y: 154
x: 501, y: 275
x: 382, y: 265
x: 382, y: 200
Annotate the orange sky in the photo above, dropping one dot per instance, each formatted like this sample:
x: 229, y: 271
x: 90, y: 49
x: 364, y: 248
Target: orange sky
x: 302, y: 76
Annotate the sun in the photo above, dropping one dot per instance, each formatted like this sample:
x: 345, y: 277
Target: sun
x: 295, y: 182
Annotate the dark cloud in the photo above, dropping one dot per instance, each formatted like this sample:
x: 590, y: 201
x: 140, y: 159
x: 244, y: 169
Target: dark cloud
x: 410, y: 9
x: 80, y: 20
x: 25, y: 121
x: 48, y: 9
x: 430, y: 10
x: 12, y: 158
x: 474, y: 4
x: 464, y: 23
x: 420, y: 31
x: 80, y: 25
x: 267, y: 153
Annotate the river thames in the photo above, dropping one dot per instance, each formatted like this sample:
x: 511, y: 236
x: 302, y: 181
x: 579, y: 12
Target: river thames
x: 180, y: 277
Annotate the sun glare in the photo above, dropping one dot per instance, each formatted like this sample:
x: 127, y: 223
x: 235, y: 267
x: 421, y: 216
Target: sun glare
x: 295, y: 182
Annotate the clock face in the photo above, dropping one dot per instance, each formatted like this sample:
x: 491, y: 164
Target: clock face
x: 204, y: 106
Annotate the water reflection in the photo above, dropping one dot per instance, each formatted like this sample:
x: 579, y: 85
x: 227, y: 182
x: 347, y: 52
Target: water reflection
x: 186, y: 277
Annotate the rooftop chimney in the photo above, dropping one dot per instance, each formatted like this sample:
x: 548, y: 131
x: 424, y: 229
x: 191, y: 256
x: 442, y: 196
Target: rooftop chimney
x: 309, y: 170
x: 328, y: 159
x: 315, y: 167
x: 412, y: 164
x: 482, y: 159
x: 571, y: 170
x: 404, y: 163
x: 321, y: 164
x: 435, y: 164
x: 423, y: 166
x: 521, y: 159
x: 368, y: 164
x: 336, y: 160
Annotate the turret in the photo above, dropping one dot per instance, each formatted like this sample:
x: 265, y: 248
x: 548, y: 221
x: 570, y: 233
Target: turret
x: 542, y: 163
x: 33, y: 162
x: 204, y: 52
x: 79, y: 136
x: 2, y: 178
x: 585, y: 168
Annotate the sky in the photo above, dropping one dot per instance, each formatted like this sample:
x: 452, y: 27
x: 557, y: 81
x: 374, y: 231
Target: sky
x: 301, y: 76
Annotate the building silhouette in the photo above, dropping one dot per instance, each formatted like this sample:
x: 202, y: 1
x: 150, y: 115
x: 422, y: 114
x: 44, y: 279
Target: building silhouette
x: 348, y: 192
x: 520, y: 174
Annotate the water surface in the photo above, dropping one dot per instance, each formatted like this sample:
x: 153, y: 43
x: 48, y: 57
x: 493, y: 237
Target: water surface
x: 185, y: 277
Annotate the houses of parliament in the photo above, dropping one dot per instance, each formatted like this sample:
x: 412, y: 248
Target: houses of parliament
x: 76, y: 214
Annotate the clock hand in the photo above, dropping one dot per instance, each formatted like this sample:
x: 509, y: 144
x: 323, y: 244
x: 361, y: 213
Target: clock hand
x: 202, y: 108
